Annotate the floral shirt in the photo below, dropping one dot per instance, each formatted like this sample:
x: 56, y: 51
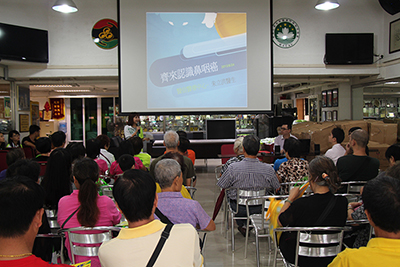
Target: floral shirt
x: 291, y: 171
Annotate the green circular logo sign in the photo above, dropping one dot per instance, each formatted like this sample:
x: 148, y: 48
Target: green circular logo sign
x: 286, y: 32
x: 105, y: 33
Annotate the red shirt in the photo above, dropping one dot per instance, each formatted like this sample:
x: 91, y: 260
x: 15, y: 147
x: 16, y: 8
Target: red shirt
x: 29, y: 261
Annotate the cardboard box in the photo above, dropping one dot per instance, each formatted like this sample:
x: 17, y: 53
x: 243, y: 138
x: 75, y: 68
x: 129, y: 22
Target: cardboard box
x: 347, y: 125
x: 377, y: 150
x: 317, y: 132
x: 383, y: 133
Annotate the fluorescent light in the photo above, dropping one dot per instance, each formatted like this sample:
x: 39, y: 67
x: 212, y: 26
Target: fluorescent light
x: 391, y: 82
x: 52, y: 85
x: 72, y: 91
x: 326, y: 4
x: 65, y: 6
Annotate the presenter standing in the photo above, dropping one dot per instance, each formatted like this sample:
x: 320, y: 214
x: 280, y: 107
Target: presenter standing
x: 132, y: 127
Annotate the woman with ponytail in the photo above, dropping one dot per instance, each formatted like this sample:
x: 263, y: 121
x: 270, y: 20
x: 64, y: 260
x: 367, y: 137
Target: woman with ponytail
x: 322, y: 208
x: 84, y: 207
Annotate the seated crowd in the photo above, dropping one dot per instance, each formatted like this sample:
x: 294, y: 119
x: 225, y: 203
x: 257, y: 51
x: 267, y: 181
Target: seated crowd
x: 70, y: 187
x: 151, y: 196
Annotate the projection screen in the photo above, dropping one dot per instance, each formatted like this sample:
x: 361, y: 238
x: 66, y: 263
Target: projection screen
x: 195, y: 57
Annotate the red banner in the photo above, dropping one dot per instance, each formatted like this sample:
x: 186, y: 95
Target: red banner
x: 57, y: 106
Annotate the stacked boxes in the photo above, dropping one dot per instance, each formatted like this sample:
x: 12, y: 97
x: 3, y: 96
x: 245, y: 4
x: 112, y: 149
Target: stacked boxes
x: 381, y: 134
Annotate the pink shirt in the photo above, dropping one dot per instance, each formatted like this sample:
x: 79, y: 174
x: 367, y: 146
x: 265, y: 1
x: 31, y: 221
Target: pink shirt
x: 103, y: 166
x: 115, y: 169
x: 109, y: 216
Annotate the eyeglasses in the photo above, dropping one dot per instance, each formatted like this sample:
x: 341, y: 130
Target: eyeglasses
x: 283, y: 129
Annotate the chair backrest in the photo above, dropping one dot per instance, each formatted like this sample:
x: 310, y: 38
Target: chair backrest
x: 226, y: 149
x: 315, y: 242
x: 43, y: 165
x: 52, y: 220
x: 85, y: 235
x: 29, y: 153
x: 353, y: 186
x: 106, y: 190
x: 192, y: 190
x: 3, y: 162
x: 242, y: 195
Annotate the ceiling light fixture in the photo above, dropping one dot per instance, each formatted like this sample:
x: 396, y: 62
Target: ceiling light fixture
x: 52, y: 85
x: 326, y: 4
x: 65, y: 6
x: 391, y: 82
x: 72, y: 91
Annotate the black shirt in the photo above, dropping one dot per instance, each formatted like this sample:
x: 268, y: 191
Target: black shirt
x: 305, y: 212
x: 357, y: 168
x: 26, y: 138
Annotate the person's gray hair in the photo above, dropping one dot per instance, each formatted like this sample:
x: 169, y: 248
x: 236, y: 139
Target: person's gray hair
x: 361, y: 137
x: 166, y: 171
x: 171, y: 139
x: 238, y: 145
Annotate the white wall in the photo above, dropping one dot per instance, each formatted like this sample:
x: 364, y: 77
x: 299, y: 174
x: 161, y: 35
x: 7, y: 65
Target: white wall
x: 72, y: 52
x: 306, y: 57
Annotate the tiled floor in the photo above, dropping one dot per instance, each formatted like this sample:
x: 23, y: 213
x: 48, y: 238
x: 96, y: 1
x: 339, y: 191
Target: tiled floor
x: 218, y: 246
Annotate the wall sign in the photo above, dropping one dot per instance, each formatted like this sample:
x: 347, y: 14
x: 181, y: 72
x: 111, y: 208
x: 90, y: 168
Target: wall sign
x: 286, y: 32
x: 105, y: 33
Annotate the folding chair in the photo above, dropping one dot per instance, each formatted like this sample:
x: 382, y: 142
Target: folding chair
x: 85, y: 235
x: 312, y: 243
x: 241, y: 196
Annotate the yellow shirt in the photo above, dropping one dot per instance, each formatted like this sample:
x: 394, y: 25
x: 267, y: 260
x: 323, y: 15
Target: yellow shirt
x: 184, y: 191
x: 378, y: 252
x: 134, y: 246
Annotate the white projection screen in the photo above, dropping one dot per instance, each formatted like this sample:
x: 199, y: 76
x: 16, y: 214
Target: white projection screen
x: 195, y: 56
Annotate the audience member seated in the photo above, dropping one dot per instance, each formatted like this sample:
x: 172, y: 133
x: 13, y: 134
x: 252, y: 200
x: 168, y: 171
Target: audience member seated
x: 43, y: 148
x: 104, y: 146
x: 183, y: 146
x: 359, y: 236
x: 336, y: 138
x: 178, y: 157
x: 12, y: 156
x: 125, y: 162
x: 172, y: 204
x: 22, y: 200
x: 248, y: 174
x: 77, y: 150
x: 285, y: 133
x: 349, y: 150
x: 93, y: 152
x: 381, y: 197
x: 392, y: 154
x: 58, y: 139
x: 127, y: 148
x: 57, y: 178
x: 137, y: 144
x: 14, y: 139
x: 135, y: 194
x: 295, y: 168
x: 30, y: 140
x: 238, y: 149
x: 171, y: 142
x: 2, y: 142
x: 31, y: 169
x: 308, y: 211
x: 85, y: 205
x: 357, y: 166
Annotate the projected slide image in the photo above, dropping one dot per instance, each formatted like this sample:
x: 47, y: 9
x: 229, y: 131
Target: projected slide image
x: 196, y: 59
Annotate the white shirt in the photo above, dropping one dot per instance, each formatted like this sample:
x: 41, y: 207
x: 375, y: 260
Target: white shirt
x: 335, y: 152
x: 107, y: 156
x: 279, y: 141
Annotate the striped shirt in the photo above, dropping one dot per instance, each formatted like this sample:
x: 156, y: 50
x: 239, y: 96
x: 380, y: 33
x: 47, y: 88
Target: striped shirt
x: 249, y: 174
x: 230, y: 161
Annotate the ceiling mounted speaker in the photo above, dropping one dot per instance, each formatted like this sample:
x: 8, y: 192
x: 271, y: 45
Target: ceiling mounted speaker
x: 390, y: 6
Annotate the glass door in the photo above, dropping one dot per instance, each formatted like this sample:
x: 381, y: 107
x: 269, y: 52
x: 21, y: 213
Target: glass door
x: 90, y: 118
